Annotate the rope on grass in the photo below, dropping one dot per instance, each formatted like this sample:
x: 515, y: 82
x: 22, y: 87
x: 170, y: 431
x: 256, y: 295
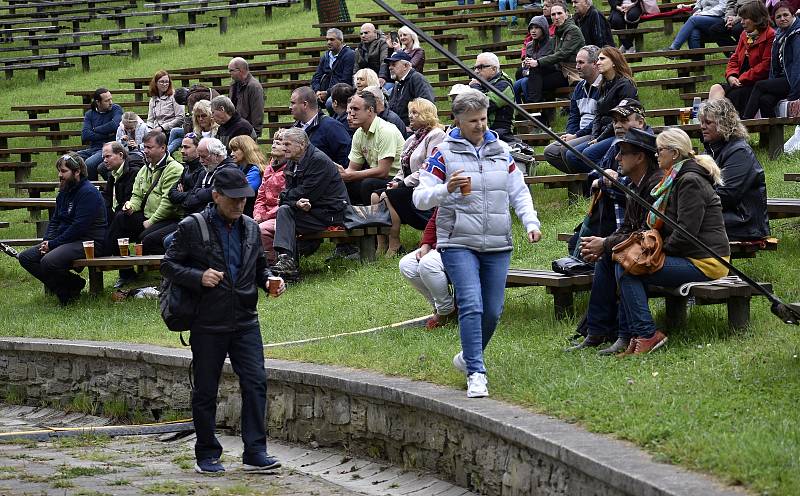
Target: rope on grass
x: 417, y: 322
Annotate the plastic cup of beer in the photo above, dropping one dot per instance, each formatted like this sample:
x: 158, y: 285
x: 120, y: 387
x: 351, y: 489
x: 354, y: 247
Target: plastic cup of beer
x: 685, y: 116
x: 123, y: 246
x: 467, y: 188
x: 273, y: 285
x: 138, y: 249
x: 88, y: 249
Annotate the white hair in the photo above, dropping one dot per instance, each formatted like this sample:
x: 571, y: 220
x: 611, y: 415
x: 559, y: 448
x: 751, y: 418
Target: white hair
x: 215, y: 147
x: 491, y: 59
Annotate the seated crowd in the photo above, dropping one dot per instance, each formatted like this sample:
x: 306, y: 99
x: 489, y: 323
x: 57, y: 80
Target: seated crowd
x: 366, y: 132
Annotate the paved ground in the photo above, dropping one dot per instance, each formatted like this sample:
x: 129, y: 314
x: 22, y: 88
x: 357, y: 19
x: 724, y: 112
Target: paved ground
x: 95, y: 465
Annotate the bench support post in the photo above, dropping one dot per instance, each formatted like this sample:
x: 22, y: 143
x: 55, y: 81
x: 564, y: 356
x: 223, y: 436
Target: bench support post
x: 563, y: 301
x: 738, y: 312
x: 675, y: 311
x: 775, y: 140
x: 367, y: 245
x: 95, y: 281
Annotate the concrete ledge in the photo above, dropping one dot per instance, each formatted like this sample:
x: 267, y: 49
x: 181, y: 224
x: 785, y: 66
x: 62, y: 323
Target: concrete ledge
x: 484, y: 445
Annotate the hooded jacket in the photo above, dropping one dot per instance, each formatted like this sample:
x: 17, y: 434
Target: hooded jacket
x: 744, y: 192
x: 786, y: 58
x: 536, y: 49
x: 567, y: 43
x: 230, y: 306
x: 316, y: 178
x: 595, y: 27
x: 480, y: 221
x: 759, y: 56
x: 695, y: 206
x: 79, y: 216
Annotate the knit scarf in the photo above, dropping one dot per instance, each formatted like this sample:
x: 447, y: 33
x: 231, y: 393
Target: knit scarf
x: 405, y: 156
x: 752, y: 37
x: 661, y: 193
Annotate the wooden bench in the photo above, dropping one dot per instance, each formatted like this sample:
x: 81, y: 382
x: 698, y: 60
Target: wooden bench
x: 21, y: 241
x: 54, y: 137
x: 791, y: 176
x: 560, y: 286
x: 99, y: 265
x: 104, y: 43
x: 193, y: 12
x: 36, y: 188
x: 84, y: 56
x: 26, y: 154
x: 739, y: 249
x: 35, y: 110
x: 4, y: 224
x: 150, y: 32
x: 22, y: 170
x: 34, y: 206
x: 366, y: 238
x: 783, y: 208
x: 40, y: 67
x: 573, y: 182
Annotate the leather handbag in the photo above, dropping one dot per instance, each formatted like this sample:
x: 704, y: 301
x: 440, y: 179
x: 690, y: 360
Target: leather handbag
x: 358, y: 216
x: 572, y: 266
x: 642, y: 253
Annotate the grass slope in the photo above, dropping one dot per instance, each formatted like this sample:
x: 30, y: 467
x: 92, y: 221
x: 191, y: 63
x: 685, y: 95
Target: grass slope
x: 713, y: 401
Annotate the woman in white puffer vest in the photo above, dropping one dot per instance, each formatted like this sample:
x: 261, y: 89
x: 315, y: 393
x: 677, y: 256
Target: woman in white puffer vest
x: 473, y: 179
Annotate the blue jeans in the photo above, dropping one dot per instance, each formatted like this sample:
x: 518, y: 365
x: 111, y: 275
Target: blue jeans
x: 175, y: 139
x: 676, y: 271
x: 93, y: 157
x: 507, y: 5
x: 479, y: 280
x: 593, y: 152
x: 521, y: 90
x: 247, y: 359
x: 605, y: 316
x: 693, y: 30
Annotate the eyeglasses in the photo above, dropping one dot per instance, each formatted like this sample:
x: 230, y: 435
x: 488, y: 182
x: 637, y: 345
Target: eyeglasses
x: 162, y: 82
x: 191, y: 135
x: 480, y: 67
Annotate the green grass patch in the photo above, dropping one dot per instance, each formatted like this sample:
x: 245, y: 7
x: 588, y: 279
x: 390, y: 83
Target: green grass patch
x: 713, y: 401
x: 170, y: 487
x: 72, y: 472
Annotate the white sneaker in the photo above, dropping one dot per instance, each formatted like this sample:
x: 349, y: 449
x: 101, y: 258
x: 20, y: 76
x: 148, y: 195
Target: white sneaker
x: 476, y: 386
x: 459, y: 363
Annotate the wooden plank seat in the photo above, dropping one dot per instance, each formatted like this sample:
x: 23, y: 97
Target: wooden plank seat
x: 54, y: 136
x: 75, y: 20
x: 27, y: 29
x: 448, y: 9
x: 22, y: 170
x: 192, y: 12
x: 40, y: 67
x: 783, y: 208
x: 34, y: 110
x: 181, y: 29
x: 47, y: 15
x: 282, y: 47
x: 449, y: 25
x: 34, y: 206
x: 572, y: 182
x: 99, y: 265
x: 85, y: 57
x: 44, y: 5
x: 450, y: 14
x: 366, y: 238
x: 4, y: 224
x: 560, y: 286
x: 28, y: 152
x: 791, y: 176
x: 105, y: 44
x: 36, y: 188
x: 219, y: 78
x: 739, y: 249
x: 21, y: 241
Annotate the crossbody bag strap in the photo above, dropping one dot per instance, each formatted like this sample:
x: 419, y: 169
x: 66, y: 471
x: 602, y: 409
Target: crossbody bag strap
x: 157, y: 177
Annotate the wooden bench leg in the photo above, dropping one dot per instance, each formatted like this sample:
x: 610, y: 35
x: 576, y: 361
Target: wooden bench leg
x: 738, y: 312
x: 95, y: 281
x: 181, y: 37
x: 574, y: 192
x: 497, y: 34
x: 367, y: 245
x: 675, y: 311
x: 307, y: 5
x: 135, y: 50
x: 775, y: 141
x: 85, y: 63
x: 223, y: 24
x: 668, y: 26
x: 563, y: 302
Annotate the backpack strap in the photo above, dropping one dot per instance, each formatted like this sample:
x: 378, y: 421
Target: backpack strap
x: 201, y: 221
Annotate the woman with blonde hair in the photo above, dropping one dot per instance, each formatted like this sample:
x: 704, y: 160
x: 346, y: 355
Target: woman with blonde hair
x: 686, y: 195
x: 203, y: 123
x: 365, y: 77
x: 744, y: 192
x: 428, y: 132
x: 251, y: 161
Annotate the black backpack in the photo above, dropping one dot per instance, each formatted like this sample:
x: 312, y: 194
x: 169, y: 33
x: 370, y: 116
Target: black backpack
x: 177, y: 303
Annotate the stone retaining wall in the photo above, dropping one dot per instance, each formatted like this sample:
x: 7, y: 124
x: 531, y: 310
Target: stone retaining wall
x: 484, y: 445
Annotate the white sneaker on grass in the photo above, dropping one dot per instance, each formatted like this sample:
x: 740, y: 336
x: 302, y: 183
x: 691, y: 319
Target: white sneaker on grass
x: 476, y: 385
x: 459, y: 363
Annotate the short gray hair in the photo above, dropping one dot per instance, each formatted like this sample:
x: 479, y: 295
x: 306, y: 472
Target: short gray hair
x: 469, y: 101
x: 215, y: 147
x: 592, y: 52
x: 296, y: 135
x: 336, y: 32
x: 491, y: 58
x: 376, y: 92
x: 224, y: 103
x: 239, y: 63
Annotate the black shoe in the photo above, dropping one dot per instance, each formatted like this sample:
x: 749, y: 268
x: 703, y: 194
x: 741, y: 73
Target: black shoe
x: 620, y: 345
x: 9, y: 250
x: 345, y: 251
x: 124, y: 281
x: 286, y: 268
x: 589, y: 342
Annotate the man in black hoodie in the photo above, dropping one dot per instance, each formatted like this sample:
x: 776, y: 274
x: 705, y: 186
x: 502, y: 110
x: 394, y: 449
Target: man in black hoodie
x: 314, y: 199
x: 79, y: 216
x: 231, y: 124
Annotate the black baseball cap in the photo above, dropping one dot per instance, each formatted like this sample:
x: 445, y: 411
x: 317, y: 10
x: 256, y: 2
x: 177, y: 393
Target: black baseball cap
x: 628, y: 106
x: 640, y: 139
x: 232, y: 183
x: 401, y: 55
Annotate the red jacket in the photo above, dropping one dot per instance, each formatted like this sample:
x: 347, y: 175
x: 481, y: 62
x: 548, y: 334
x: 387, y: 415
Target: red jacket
x: 759, y: 55
x: 272, y: 184
x: 429, y: 234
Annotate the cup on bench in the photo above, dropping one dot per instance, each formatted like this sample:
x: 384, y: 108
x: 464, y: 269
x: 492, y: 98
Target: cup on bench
x: 88, y: 249
x: 123, y: 246
x: 685, y: 116
x: 138, y: 249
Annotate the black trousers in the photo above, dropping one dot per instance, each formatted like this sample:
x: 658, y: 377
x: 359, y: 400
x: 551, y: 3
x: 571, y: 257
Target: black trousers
x: 360, y: 192
x: 765, y: 96
x: 130, y: 226
x: 724, y: 36
x: 738, y: 96
x: 617, y: 21
x: 53, y: 268
x: 246, y: 351
x: 291, y: 221
x: 544, y: 78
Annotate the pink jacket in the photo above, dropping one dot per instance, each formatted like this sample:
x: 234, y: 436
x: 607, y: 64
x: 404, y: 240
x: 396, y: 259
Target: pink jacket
x: 272, y: 183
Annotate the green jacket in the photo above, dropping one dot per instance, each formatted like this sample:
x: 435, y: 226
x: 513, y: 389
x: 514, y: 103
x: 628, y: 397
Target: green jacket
x: 567, y: 42
x: 158, y: 206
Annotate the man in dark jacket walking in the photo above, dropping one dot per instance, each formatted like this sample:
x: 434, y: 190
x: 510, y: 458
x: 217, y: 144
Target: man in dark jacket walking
x: 314, y: 199
x: 224, y: 279
x: 409, y: 84
x: 79, y: 216
x: 121, y: 176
